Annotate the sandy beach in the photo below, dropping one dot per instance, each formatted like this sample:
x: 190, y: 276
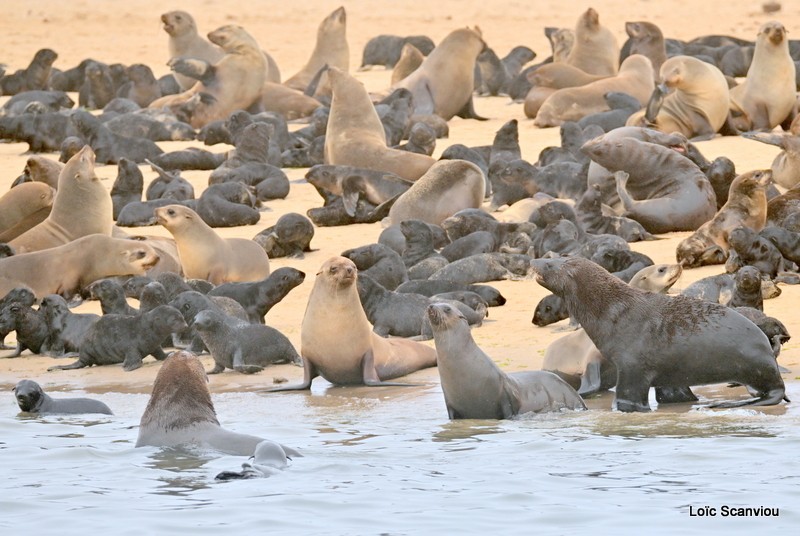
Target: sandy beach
x: 131, y: 33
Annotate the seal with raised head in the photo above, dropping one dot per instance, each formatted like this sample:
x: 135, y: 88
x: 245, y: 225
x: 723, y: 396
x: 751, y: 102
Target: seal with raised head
x: 330, y: 49
x: 663, y: 341
x: 595, y: 49
x: 31, y: 398
x: 259, y: 297
x: 180, y: 412
x: 444, y: 82
x: 186, y: 42
x: 355, y: 134
x: 337, y: 341
x: 82, y: 206
x: 475, y: 388
x: 206, y: 255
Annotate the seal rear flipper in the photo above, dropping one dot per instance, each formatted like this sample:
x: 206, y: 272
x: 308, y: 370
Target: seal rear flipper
x: 468, y: 111
x: 76, y: 365
x: 674, y: 395
x: 771, y: 398
x: 370, y: 373
x: 309, y: 373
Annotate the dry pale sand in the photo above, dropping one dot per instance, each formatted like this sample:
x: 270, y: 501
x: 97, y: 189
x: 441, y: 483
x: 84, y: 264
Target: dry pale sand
x: 131, y: 33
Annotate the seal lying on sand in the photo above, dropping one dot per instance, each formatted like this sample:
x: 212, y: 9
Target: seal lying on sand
x: 180, y: 412
x: 337, y: 341
x: 32, y: 399
x: 663, y: 341
x: 475, y: 388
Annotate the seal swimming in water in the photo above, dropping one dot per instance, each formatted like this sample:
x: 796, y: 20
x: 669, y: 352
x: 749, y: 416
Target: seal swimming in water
x: 475, y: 388
x: 31, y: 398
x: 180, y: 412
x: 663, y: 341
x: 337, y: 341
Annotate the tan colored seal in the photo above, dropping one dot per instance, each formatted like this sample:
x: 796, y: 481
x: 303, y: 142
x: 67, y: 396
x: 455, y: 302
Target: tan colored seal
x: 82, y: 206
x: 410, y: 59
x: 768, y: 96
x: 355, y: 135
x: 68, y: 268
x: 635, y: 78
x: 331, y: 49
x: 551, y: 77
x: 42, y: 169
x: 286, y: 101
x: 447, y: 187
x: 206, y: 255
x: 24, y: 207
x: 180, y: 412
x: 595, y: 50
x: 239, y: 78
x: 746, y: 207
x: 337, y: 341
x: 697, y: 104
x: 444, y: 83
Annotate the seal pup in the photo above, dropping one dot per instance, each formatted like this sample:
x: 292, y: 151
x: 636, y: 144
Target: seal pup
x: 31, y: 398
x: 337, y: 341
x: 82, y: 206
x: 331, y: 49
x: 767, y: 97
x: 595, y: 49
x: 268, y: 458
x: 186, y: 42
x: 670, y: 341
x: 444, y: 82
x: 259, y: 297
x: 180, y: 412
x: 206, y: 255
x: 355, y: 135
x: 475, y: 388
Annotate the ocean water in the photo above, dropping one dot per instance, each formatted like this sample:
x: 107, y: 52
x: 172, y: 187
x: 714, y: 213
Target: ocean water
x: 388, y: 461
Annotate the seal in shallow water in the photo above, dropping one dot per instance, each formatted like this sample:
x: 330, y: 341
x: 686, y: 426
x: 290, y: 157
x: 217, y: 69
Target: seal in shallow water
x: 32, y: 399
x: 475, y: 388
x: 663, y: 341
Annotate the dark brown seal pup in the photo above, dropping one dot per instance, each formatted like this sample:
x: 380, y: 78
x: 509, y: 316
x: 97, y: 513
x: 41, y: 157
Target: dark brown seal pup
x: 259, y: 297
x: 337, y: 341
x: 289, y: 237
x: 31, y: 398
x: 746, y: 205
x: 475, y: 388
x: 671, y: 341
x: 180, y: 412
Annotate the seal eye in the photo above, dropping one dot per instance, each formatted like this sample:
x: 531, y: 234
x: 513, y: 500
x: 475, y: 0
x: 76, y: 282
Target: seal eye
x: 333, y: 269
x: 171, y: 212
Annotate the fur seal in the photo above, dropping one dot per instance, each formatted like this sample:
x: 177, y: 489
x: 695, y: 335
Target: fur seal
x: 337, y: 341
x: 386, y: 50
x: 595, y: 49
x: 410, y: 59
x: 35, y: 76
x: 259, y: 297
x: 180, y: 412
x: 446, y: 188
x: 40, y: 169
x: 186, y: 42
x: 31, y: 398
x: 330, y: 49
x: 112, y: 297
x: 635, y: 77
x: 267, y: 459
x: 127, y: 339
x: 243, y: 347
x: 444, y: 83
x: 355, y: 134
x: 128, y: 186
x: 28, y: 324
x: 206, y: 255
x: 747, y: 289
x: 696, y: 342
x: 786, y: 165
x: 289, y: 237
x: 767, y: 97
x: 746, y: 205
x: 475, y: 388
x: 352, y: 183
x: 491, y: 295
x: 142, y: 87
x: 695, y: 99
x: 69, y: 268
x: 108, y: 146
x: 380, y: 262
x: 81, y: 207
x: 66, y: 330
x: 646, y: 38
x: 23, y: 207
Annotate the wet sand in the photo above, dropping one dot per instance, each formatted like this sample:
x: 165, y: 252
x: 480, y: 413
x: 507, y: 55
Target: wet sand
x: 112, y: 32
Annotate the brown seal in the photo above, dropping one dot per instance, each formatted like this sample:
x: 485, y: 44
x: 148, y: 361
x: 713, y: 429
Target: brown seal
x: 444, y: 83
x: 67, y: 269
x: 82, y: 206
x: 786, y: 165
x: 696, y: 102
x: 331, y: 49
x: 337, y: 341
x: 42, y: 169
x: 238, y: 79
x: 180, y: 412
x: 185, y: 42
x: 767, y: 97
x: 595, y: 50
x: 746, y: 206
x: 355, y: 134
x: 286, y: 101
x: 206, y: 255
x: 551, y: 77
x: 447, y: 187
x: 635, y: 78
x: 24, y: 207
x: 410, y: 59
x: 647, y: 39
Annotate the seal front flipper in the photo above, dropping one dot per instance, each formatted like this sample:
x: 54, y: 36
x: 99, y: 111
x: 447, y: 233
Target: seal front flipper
x: 655, y: 103
x: 674, y: 395
x: 370, y: 373
x: 468, y: 112
x: 590, y: 379
x: 309, y: 373
x: 633, y: 386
